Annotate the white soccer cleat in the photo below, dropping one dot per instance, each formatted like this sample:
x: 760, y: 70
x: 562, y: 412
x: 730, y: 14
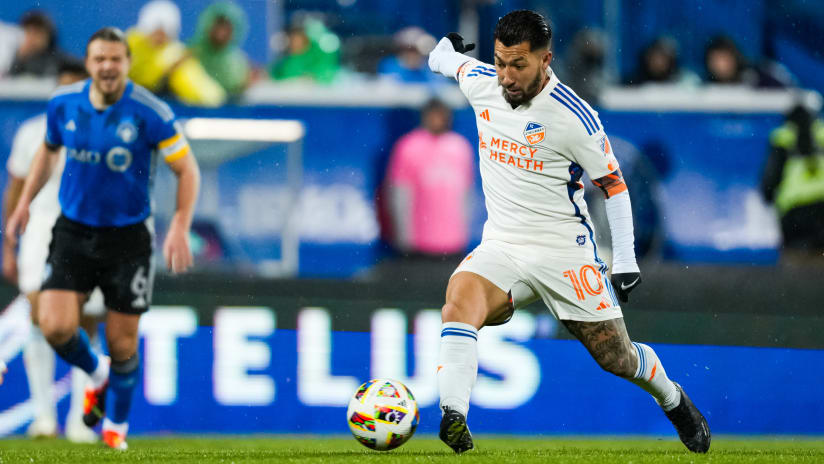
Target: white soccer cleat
x: 42, y: 427
x: 77, y: 432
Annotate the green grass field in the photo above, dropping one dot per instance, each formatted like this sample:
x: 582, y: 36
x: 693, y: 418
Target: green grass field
x: 422, y: 449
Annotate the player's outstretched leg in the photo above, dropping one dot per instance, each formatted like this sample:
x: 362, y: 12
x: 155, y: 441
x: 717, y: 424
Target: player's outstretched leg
x: 457, y: 371
x: 610, y: 346
x: 688, y: 421
x: 471, y: 301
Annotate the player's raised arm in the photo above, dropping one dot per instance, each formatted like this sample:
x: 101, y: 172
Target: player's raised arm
x: 176, y: 248
x: 448, y: 56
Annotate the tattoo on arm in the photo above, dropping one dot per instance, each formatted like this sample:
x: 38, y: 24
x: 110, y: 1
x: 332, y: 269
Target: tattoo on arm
x: 608, y: 343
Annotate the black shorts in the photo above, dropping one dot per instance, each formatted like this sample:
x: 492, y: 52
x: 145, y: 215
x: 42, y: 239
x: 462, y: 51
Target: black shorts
x: 116, y: 259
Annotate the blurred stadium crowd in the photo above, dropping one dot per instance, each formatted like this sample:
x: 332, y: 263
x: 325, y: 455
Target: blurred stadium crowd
x: 319, y: 43
x: 712, y: 58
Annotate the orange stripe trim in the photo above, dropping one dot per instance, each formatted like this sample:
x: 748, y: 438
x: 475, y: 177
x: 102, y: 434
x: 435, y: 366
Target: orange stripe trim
x: 654, y: 367
x: 616, y: 189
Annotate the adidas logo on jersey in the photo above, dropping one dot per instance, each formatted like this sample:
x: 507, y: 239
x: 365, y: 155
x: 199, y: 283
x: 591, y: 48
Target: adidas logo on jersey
x: 70, y: 126
x: 485, y: 115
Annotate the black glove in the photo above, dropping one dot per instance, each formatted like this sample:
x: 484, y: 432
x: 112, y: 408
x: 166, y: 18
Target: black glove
x: 458, y: 43
x: 624, y: 282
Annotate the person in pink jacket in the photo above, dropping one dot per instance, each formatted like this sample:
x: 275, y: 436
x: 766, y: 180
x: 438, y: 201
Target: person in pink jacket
x: 429, y: 186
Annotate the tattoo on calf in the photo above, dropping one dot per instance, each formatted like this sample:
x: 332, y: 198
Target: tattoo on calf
x: 608, y: 343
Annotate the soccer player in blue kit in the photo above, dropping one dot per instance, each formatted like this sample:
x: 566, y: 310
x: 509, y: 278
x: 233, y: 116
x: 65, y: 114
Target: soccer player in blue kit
x: 112, y: 130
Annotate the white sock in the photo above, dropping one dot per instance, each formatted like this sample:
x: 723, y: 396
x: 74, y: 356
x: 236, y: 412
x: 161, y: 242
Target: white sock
x: 458, y: 365
x: 652, y: 377
x: 79, y: 382
x: 101, y: 373
x: 39, y: 359
x: 119, y: 428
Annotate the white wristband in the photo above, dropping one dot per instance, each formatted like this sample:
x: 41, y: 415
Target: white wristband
x: 619, y: 213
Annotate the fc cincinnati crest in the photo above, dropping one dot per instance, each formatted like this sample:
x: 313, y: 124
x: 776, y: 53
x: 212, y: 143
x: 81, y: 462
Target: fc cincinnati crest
x: 534, y: 133
x: 127, y: 132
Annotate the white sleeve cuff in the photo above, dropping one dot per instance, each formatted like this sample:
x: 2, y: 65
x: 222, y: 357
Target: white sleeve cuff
x: 619, y: 213
x: 445, y: 60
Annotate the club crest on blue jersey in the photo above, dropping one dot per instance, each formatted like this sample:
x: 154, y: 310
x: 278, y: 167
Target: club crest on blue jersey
x: 127, y: 132
x: 534, y: 133
x: 119, y: 159
x: 581, y: 240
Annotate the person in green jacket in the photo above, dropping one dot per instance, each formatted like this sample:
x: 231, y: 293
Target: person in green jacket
x: 794, y: 181
x: 312, y: 51
x: 221, y: 29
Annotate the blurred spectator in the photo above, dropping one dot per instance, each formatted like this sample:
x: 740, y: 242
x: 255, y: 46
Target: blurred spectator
x: 408, y: 63
x: 312, y: 51
x: 221, y: 29
x: 726, y: 65
x: 429, y: 185
x: 794, y: 181
x: 10, y: 37
x: 658, y: 64
x: 161, y: 63
x: 37, y: 54
x: 583, y: 66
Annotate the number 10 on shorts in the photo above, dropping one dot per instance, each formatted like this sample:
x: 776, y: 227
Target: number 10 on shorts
x: 582, y: 281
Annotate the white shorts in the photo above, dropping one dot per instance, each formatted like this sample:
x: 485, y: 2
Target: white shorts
x: 31, y: 262
x: 572, y: 288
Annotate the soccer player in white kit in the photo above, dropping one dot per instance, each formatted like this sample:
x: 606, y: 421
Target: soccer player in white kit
x: 536, y: 138
x: 27, y: 265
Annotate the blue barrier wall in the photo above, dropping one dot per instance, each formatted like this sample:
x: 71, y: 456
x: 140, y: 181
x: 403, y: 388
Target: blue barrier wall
x: 245, y: 375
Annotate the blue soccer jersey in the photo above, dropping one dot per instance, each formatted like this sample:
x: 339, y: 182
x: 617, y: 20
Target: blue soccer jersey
x: 111, y: 154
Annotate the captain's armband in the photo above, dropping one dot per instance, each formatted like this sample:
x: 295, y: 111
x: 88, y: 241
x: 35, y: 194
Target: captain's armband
x: 611, y: 184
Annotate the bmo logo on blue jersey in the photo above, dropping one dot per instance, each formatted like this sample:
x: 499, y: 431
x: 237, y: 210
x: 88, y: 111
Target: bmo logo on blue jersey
x: 118, y: 159
x: 83, y: 156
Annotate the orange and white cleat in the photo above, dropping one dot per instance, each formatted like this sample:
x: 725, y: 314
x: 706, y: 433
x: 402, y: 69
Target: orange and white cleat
x: 94, y: 405
x: 114, y: 435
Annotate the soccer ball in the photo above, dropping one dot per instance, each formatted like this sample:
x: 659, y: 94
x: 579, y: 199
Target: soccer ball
x: 382, y: 414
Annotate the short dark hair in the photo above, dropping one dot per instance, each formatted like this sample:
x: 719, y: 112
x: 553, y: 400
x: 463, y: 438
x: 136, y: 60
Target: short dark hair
x: 109, y: 34
x: 40, y: 20
x: 523, y: 26
x: 70, y: 65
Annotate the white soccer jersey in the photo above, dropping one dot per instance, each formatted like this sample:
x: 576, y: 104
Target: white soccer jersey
x: 28, y: 139
x: 532, y: 159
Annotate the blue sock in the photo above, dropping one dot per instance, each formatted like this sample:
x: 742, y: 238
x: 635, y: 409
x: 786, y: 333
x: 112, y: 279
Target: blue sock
x: 122, y: 381
x: 78, y: 352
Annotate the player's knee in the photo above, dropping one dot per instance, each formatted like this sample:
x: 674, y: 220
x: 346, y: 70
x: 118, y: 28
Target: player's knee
x: 453, y: 312
x: 56, y: 334
x: 57, y: 330
x: 121, y: 348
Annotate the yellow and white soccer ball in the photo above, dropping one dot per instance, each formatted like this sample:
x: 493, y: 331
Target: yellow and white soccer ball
x: 383, y: 414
